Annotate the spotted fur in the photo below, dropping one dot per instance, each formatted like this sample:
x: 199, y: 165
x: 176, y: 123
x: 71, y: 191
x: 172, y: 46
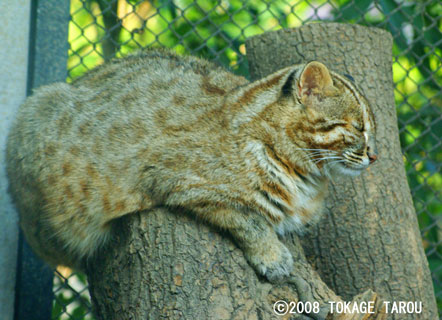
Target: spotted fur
x: 157, y: 129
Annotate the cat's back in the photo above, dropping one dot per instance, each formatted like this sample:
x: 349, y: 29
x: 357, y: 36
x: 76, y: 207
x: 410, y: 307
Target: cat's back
x: 114, y: 111
x: 158, y: 78
x: 79, y: 149
x: 155, y: 84
x: 150, y: 93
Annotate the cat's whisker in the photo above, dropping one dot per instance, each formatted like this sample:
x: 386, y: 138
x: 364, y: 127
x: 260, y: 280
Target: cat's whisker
x: 324, y: 153
x: 336, y: 161
x: 315, y: 149
x: 312, y: 155
x: 321, y: 153
x: 326, y: 158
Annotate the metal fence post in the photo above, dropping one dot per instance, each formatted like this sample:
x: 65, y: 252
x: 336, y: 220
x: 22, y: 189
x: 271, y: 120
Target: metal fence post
x: 48, y: 51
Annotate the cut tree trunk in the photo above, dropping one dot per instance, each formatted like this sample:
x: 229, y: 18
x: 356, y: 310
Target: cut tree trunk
x: 164, y: 264
x: 369, y: 237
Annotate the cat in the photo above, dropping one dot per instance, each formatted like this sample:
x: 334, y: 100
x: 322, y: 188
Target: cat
x: 158, y: 129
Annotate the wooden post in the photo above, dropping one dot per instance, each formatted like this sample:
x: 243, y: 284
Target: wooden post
x: 369, y: 238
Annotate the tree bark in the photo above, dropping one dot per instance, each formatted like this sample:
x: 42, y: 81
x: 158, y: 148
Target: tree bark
x: 111, y: 42
x: 369, y: 237
x: 163, y: 264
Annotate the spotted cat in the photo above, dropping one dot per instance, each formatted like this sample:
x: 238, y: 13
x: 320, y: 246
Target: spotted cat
x: 157, y: 129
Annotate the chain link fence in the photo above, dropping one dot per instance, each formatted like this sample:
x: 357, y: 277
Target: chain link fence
x: 216, y: 29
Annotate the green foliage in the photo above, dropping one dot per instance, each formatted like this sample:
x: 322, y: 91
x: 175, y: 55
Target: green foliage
x: 217, y: 29
x: 72, y: 300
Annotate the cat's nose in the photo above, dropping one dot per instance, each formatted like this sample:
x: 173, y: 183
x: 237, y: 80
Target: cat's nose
x: 372, y: 152
x: 372, y: 157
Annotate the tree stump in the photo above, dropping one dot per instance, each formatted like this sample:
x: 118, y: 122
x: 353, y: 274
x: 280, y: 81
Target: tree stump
x: 369, y: 237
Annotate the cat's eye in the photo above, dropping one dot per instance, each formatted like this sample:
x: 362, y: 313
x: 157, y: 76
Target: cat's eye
x: 358, y: 126
x: 349, y: 77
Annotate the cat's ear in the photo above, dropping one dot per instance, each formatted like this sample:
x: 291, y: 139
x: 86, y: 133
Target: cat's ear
x: 315, y: 81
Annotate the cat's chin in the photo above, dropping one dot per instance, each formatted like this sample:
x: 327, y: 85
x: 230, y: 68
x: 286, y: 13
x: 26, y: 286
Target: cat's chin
x: 342, y: 169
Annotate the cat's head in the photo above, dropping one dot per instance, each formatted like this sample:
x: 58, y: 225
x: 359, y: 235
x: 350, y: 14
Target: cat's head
x: 339, y: 127
x: 325, y: 117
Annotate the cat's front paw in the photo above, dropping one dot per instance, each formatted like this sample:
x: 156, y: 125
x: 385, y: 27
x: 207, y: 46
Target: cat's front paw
x: 275, y: 263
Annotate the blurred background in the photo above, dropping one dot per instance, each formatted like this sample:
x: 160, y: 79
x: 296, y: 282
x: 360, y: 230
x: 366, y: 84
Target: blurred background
x: 102, y: 29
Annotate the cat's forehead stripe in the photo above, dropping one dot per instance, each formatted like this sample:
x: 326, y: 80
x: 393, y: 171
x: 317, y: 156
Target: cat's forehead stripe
x: 350, y: 87
x: 357, y: 96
